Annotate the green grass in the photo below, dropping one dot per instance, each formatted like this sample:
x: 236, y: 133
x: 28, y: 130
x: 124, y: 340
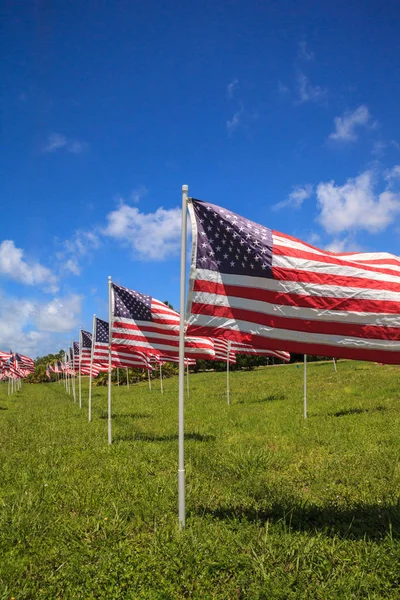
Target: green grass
x: 277, y: 507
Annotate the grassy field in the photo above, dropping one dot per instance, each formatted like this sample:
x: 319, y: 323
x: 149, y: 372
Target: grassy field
x: 278, y: 507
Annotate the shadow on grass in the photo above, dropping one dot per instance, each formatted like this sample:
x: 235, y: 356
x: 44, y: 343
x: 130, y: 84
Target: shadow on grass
x: 270, y: 398
x: 356, y: 411
x: 3, y: 408
x: 150, y: 437
x: 126, y: 415
x: 371, y: 521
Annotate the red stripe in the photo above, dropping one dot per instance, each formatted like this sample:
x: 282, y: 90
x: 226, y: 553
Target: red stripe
x: 382, y: 356
x: 318, y: 326
x: 298, y: 300
x: 328, y: 259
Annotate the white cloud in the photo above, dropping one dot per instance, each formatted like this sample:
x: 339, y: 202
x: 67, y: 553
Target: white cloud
x: 345, y: 126
x: 80, y: 245
x: 233, y: 124
x: 230, y: 90
x: 307, y: 92
x: 296, y: 197
x: 57, y: 141
x: 303, y: 52
x: 392, y: 174
x: 343, y: 245
x: 13, y: 266
x: 282, y: 89
x: 60, y: 315
x: 355, y: 205
x: 152, y: 236
x: 37, y: 329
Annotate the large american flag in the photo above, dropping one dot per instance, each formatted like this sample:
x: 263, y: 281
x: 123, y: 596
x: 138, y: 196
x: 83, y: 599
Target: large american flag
x: 142, y: 323
x: 23, y: 363
x: 119, y: 357
x: 270, y: 290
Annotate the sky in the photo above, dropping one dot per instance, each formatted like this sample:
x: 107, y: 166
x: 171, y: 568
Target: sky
x: 284, y: 112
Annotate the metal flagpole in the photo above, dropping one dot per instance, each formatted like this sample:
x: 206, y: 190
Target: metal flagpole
x: 161, y: 383
x: 109, y: 358
x: 187, y: 379
x: 181, y: 397
x: 8, y: 392
x: 148, y: 377
x: 228, y: 397
x: 305, y: 386
x: 79, y: 366
x: 73, y: 370
x: 117, y: 376
x: 127, y: 378
x: 91, y: 369
x: 334, y: 365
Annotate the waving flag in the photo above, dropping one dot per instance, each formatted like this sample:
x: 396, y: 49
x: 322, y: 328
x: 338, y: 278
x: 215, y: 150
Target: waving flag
x: 23, y: 362
x: 240, y: 348
x: 221, y: 350
x: 119, y: 358
x: 270, y: 290
x: 142, y: 323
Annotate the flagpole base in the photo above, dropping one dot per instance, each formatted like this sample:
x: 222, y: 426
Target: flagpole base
x: 181, y: 496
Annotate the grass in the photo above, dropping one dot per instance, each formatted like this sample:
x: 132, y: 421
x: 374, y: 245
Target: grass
x: 277, y: 507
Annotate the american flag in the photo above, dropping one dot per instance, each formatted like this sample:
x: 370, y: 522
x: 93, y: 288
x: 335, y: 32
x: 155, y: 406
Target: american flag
x: 270, y: 290
x: 4, y: 356
x: 76, y: 355
x: 143, y: 323
x: 23, y: 362
x: 119, y: 357
x: 172, y: 359
x: 240, y: 348
x: 86, y: 347
x: 222, y: 347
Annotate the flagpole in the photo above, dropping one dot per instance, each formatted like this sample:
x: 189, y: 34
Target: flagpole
x: 187, y: 379
x: 109, y: 358
x: 181, y: 396
x: 73, y: 370
x: 161, y: 383
x: 334, y: 365
x: 91, y: 369
x: 148, y: 377
x: 228, y: 397
x: 127, y: 378
x: 79, y: 363
x: 305, y: 386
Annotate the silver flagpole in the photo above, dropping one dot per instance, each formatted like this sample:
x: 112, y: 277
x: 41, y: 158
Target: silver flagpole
x: 161, y: 383
x: 187, y: 379
x: 73, y: 370
x: 109, y: 358
x: 148, y: 377
x: 8, y: 392
x: 181, y: 396
x: 334, y: 365
x: 117, y: 377
x: 79, y: 366
x: 91, y: 369
x: 305, y: 386
x: 228, y: 397
x: 127, y: 378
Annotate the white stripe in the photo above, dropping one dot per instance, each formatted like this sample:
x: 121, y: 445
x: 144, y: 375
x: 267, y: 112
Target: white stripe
x: 294, y: 287
x: 322, y: 268
x: 295, y: 336
x: 295, y: 312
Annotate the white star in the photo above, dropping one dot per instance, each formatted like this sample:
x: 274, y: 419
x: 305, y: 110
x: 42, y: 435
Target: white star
x: 218, y: 248
x: 225, y: 256
x: 232, y: 263
x: 263, y: 266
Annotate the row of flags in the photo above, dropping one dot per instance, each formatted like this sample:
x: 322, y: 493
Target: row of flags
x: 14, y: 365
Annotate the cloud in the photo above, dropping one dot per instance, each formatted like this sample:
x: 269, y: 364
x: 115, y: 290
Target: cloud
x: 13, y: 266
x: 345, y: 126
x: 344, y: 245
x: 37, y: 329
x: 57, y: 141
x: 60, y: 315
x: 307, y: 92
x: 296, y: 197
x: 233, y: 124
x: 283, y: 90
x: 303, y: 52
x: 392, y: 174
x: 152, y: 236
x: 80, y: 245
x: 230, y: 90
x: 355, y: 206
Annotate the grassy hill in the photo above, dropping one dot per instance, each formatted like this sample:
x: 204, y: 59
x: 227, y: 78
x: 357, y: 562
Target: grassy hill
x: 277, y: 506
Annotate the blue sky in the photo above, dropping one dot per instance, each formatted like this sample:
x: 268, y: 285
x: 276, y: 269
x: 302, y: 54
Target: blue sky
x: 285, y: 112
